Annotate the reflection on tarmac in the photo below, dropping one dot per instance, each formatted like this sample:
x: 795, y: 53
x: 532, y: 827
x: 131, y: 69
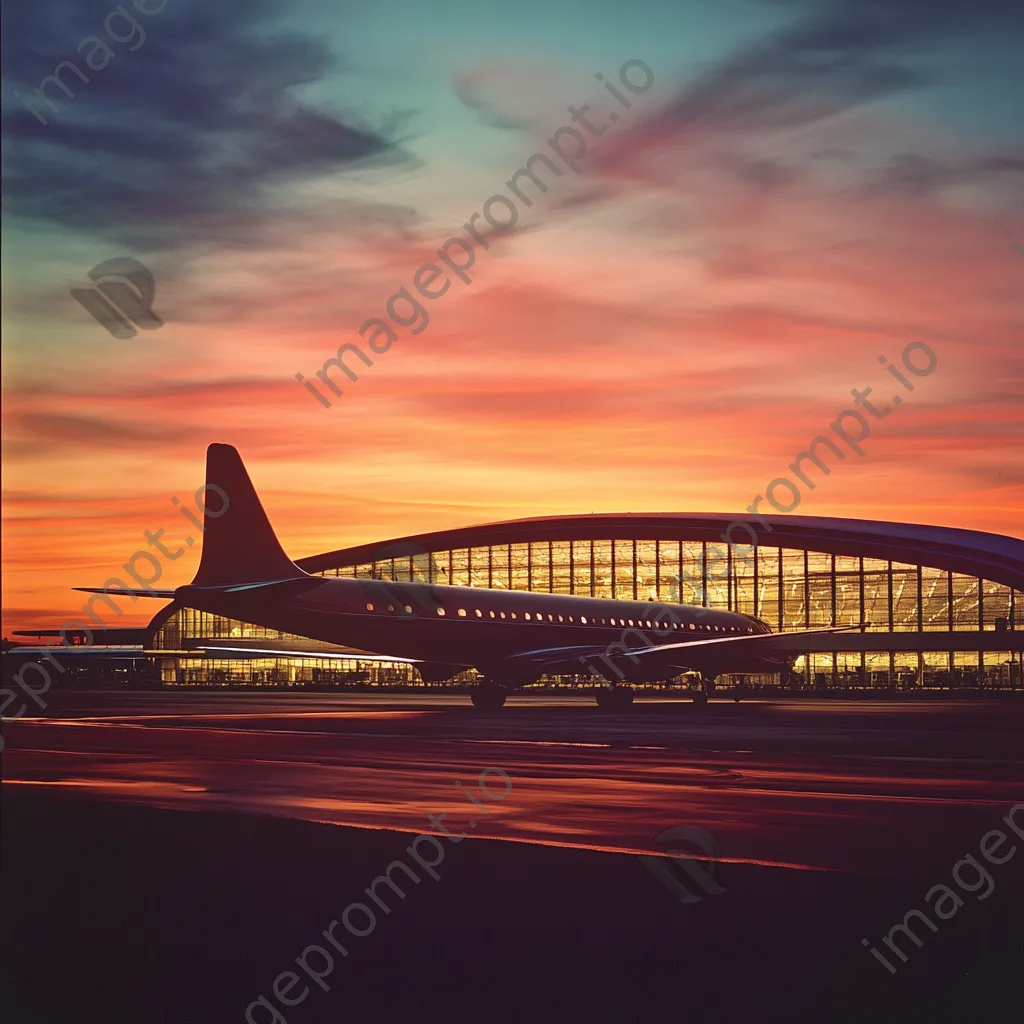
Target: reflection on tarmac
x: 868, y: 786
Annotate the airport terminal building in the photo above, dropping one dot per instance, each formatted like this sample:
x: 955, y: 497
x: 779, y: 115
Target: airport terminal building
x: 944, y: 607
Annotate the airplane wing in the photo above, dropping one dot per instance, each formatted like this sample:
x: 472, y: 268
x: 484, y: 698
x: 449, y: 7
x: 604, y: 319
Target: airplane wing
x: 687, y: 654
x: 239, y: 647
x: 771, y: 640
x: 163, y: 595
x: 168, y: 595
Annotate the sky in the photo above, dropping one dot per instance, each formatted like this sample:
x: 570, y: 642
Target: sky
x: 794, y: 190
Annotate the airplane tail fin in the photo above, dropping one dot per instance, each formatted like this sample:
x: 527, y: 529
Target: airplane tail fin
x: 239, y: 544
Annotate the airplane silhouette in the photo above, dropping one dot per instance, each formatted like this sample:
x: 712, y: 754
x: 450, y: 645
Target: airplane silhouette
x: 510, y: 637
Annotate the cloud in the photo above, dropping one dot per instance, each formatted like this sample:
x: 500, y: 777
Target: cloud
x: 184, y: 140
x: 833, y: 58
x: 515, y: 94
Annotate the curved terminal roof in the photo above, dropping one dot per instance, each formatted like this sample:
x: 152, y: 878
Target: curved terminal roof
x: 991, y: 556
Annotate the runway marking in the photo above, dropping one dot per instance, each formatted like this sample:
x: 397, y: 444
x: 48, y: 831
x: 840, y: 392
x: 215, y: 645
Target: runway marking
x: 631, y: 851
x: 185, y: 717
x: 130, y: 785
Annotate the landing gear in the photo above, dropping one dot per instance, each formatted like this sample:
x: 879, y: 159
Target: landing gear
x: 488, y: 696
x: 705, y: 688
x: 616, y: 698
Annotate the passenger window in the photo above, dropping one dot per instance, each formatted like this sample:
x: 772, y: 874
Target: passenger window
x: 583, y: 619
x: 513, y: 614
x: 492, y: 615
x: 440, y: 611
x: 369, y: 607
x: 526, y: 616
x: 462, y: 612
x: 408, y: 609
x: 479, y: 614
x: 502, y: 614
x: 391, y: 607
x: 560, y: 619
x: 551, y: 618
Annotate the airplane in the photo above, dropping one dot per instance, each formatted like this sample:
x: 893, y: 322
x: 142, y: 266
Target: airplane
x: 511, y: 638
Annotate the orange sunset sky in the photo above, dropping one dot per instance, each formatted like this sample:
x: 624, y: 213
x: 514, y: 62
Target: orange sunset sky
x: 663, y: 331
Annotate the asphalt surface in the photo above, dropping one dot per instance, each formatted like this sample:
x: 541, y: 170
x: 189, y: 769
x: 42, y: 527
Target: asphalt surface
x: 873, y: 787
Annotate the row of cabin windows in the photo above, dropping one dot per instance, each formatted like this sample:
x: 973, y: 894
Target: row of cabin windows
x: 584, y: 621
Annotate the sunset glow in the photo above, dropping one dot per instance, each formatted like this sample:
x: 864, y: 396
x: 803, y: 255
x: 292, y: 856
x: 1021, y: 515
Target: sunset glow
x: 662, y: 331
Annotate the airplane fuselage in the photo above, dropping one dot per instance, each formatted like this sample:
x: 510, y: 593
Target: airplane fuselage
x: 472, y: 626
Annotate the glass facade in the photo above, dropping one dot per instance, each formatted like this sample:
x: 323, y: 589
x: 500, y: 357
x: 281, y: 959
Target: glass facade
x: 788, y: 588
